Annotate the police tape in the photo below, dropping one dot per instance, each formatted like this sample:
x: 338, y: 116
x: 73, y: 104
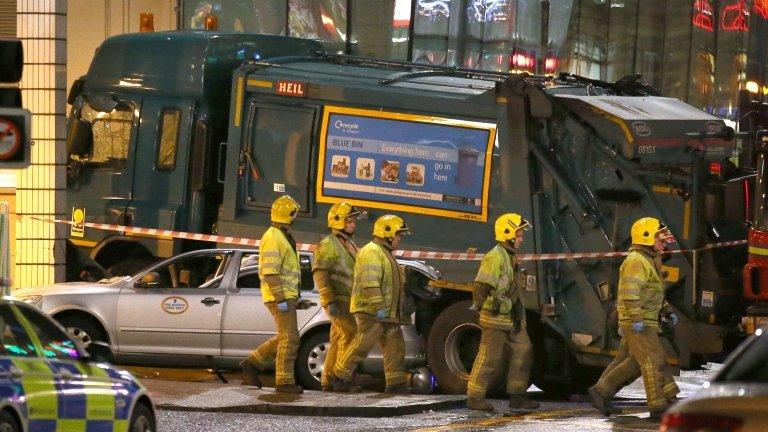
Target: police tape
x: 408, y: 254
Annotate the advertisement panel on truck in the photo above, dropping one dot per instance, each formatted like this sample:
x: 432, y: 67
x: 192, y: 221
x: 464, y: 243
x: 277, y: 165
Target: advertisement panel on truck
x: 406, y: 162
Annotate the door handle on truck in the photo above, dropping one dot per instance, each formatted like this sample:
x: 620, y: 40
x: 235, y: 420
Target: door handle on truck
x: 209, y: 301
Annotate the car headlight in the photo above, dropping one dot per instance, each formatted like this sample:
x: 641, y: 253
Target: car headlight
x: 33, y: 300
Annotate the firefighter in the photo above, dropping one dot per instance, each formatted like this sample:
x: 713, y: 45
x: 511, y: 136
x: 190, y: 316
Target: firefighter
x: 502, y: 318
x: 639, y: 305
x: 332, y: 270
x: 279, y: 273
x: 378, y: 298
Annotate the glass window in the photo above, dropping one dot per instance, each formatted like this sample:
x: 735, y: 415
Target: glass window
x: 169, y: 139
x: 431, y: 32
x: 248, y: 16
x: 249, y: 271
x: 111, y: 136
x: 318, y: 19
x: 379, y: 28
x: 15, y: 341
x: 193, y: 271
x: 750, y: 365
x: 55, y: 343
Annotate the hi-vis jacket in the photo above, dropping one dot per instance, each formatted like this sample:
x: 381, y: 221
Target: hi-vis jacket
x: 378, y: 282
x: 339, y: 262
x: 641, y: 289
x: 503, y: 306
x: 277, y: 257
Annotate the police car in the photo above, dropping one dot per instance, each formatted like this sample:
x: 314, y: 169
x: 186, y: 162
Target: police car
x: 49, y: 383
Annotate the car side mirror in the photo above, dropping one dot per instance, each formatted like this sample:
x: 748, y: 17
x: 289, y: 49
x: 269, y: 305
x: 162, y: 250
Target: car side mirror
x: 149, y: 280
x: 80, y: 137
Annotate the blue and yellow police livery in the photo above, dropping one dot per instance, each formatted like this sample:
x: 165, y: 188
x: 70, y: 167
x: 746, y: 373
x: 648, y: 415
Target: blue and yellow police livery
x: 47, y: 383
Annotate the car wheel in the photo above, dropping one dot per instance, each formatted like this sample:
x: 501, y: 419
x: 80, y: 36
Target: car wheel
x: 142, y: 419
x: 310, y: 360
x: 83, y: 330
x: 452, y: 346
x: 8, y: 422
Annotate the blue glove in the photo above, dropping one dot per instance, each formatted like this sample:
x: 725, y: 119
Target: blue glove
x: 381, y: 314
x: 282, y: 306
x: 638, y: 326
x: 332, y: 309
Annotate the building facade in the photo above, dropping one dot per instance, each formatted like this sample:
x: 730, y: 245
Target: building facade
x: 702, y: 51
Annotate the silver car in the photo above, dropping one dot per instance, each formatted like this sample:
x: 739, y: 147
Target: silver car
x: 201, y: 308
x: 735, y: 400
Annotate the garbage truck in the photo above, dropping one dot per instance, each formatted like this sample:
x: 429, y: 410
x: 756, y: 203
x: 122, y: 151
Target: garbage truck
x: 201, y: 131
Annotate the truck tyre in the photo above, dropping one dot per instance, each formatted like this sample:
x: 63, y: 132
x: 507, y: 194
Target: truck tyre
x: 130, y: 266
x: 452, y: 346
x: 310, y: 359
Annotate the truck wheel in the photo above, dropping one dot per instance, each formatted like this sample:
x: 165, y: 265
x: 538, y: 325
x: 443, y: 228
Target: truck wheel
x: 452, y: 346
x: 310, y: 360
x: 130, y: 266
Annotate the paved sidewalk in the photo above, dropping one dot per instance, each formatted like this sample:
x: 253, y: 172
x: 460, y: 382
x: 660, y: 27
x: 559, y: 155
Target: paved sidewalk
x: 235, y: 398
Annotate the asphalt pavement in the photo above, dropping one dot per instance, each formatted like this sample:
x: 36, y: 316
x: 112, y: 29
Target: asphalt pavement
x: 571, y: 414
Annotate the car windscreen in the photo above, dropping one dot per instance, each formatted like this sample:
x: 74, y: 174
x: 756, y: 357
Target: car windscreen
x: 750, y: 365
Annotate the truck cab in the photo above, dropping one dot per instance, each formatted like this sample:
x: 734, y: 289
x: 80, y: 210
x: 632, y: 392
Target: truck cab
x: 144, y: 141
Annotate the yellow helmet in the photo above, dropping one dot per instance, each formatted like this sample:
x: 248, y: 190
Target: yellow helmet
x: 507, y: 225
x: 388, y: 225
x: 339, y: 212
x: 284, y: 210
x: 644, y: 231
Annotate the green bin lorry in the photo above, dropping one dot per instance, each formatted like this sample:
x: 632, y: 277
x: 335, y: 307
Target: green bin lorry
x: 201, y: 131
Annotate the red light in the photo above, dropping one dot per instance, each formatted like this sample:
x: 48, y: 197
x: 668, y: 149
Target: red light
x: 761, y: 8
x: 702, y: 17
x: 550, y: 64
x: 678, y: 422
x: 521, y: 60
x: 715, y: 168
x: 736, y: 17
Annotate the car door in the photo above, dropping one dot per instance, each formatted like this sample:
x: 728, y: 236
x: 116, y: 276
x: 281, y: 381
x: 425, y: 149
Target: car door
x: 179, y: 311
x: 247, y: 322
x: 86, y: 394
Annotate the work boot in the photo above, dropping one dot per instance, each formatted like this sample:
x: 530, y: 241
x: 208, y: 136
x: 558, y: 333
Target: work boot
x: 521, y: 402
x: 251, y: 373
x: 341, y: 386
x: 656, y: 415
x: 479, y: 404
x: 326, y: 388
x: 289, y: 388
x: 600, y: 403
x: 398, y: 389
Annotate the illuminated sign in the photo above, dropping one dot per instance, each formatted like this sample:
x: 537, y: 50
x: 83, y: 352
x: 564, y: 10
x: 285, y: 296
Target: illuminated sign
x: 736, y: 17
x: 703, y: 15
x: 406, y: 162
x: 291, y: 88
x: 761, y: 8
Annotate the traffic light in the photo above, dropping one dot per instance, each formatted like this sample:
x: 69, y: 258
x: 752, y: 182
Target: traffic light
x: 15, y: 122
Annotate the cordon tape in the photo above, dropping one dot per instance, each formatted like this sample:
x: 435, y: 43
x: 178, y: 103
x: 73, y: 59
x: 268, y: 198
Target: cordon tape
x: 410, y: 254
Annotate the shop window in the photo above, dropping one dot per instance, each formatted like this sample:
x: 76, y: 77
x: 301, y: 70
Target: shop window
x: 254, y: 16
x: 318, y: 19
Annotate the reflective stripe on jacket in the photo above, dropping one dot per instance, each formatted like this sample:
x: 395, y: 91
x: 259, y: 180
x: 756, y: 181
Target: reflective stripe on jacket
x: 641, y: 289
x: 277, y: 257
x: 377, y: 285
x: 503, y: 305
x: 339, y: 262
